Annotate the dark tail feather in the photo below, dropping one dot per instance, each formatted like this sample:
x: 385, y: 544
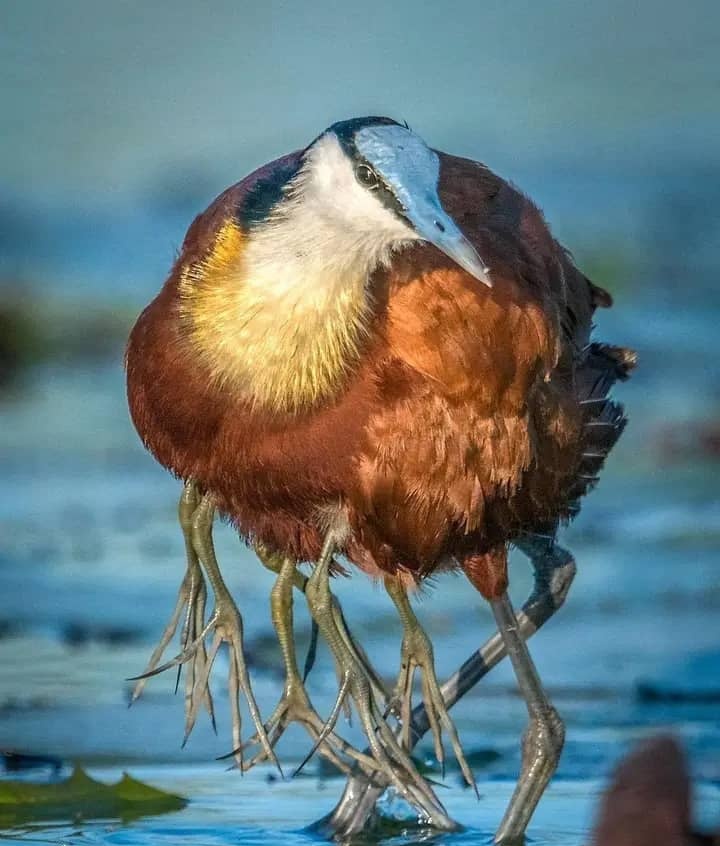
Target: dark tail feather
x: 604, y: 420
x: 602, y: 366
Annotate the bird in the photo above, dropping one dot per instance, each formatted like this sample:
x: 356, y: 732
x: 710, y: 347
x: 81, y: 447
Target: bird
x: 649, y: 800
x: 373, y: 354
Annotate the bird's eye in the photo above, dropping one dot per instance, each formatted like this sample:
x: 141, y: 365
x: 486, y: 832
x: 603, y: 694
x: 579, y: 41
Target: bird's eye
x: 366, y: 176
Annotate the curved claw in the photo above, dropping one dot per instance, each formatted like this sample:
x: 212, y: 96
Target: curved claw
x: 157, y: 653
x: 180, y: 659
x: 329, y: 725
x: 295, y: 706
x: 191, y: 596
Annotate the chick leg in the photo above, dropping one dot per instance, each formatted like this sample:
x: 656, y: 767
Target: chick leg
x: 391, y: 759
x: 299, y: 582
x: 554, y: 569
x: 417, y: 652
x: 545, y: 735
x: 295, y: 706
x: 191, y: 600
x: 226, y: 623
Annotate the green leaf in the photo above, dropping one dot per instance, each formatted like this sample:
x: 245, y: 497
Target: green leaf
x: 83, y: 797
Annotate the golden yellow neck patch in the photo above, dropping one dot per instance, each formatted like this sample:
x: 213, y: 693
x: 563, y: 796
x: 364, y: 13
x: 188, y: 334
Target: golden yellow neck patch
x: 280, y: 326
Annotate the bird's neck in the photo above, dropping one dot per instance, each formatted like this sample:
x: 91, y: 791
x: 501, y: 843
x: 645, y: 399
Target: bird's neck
x: 279, y: 314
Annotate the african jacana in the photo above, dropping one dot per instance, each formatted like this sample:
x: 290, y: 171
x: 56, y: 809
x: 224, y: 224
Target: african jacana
x: 333, y: 366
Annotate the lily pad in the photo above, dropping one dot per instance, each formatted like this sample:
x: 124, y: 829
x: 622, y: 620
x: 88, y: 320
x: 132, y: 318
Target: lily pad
x: 80, y: 796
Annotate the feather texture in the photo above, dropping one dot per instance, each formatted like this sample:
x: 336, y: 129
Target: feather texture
x: 444, y: 418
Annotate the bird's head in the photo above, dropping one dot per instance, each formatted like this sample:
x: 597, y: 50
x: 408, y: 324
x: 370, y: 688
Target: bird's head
x: 281, y: 305
x: 370, y: 185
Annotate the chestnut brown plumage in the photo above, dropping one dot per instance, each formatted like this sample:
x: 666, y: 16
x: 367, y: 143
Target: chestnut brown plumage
x: 462, y: 419
x: 460, y: 428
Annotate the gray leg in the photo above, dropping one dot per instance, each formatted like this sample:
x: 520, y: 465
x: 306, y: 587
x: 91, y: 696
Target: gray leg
x: 545, y: 735
x: 554, y: 571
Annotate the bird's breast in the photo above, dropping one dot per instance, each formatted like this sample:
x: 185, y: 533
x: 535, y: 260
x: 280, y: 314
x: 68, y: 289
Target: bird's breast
x: 479, y: 346
x: 449, y: 444
x: 431, y: 423
x: 271, y: 324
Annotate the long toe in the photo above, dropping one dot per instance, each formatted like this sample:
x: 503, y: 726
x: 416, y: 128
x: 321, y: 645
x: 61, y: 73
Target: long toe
x: 295, y: 707
x: 417, y: 652
x: 190, y: 600
x: 229, y: 627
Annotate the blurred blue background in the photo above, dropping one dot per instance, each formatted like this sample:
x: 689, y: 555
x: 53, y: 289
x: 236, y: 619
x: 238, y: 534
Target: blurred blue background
x: 121, y: 121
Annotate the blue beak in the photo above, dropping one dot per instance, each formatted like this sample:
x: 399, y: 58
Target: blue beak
x: 410, y: 168
x: 432, y: 223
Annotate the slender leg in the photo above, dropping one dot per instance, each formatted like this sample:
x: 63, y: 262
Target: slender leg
x: 417, y: 652
x: 191, y: 599
x: 391, y: 759
x: 545, y: 735
x: 299, y: 582
x: 227, y: 625
x: 376, y: 684
x: 295, y: 706
x: 554, y: 571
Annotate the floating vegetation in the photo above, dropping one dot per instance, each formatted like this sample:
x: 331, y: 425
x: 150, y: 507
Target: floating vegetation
x: 82, y: 797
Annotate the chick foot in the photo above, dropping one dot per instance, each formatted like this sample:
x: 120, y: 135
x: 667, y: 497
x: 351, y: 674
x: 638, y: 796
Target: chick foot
x: 191, y: 600
x: 417, y: 653
x: 356, y: 685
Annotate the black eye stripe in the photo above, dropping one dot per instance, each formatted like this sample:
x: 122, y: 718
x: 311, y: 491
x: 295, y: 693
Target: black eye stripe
x: 381, y: 190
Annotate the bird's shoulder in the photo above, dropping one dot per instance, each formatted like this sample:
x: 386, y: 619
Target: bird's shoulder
x: 527, y: 263
x: 237, y: 207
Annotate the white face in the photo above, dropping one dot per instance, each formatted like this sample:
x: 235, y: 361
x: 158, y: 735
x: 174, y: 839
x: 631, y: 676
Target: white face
x: 333, y: 227
x: 406, y: 172
x: 298, y: 303
x: 330, y: 189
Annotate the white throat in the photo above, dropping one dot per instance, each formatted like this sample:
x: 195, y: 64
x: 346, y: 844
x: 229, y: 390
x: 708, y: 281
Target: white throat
x: 296, y: 306
x: 327, y: 236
